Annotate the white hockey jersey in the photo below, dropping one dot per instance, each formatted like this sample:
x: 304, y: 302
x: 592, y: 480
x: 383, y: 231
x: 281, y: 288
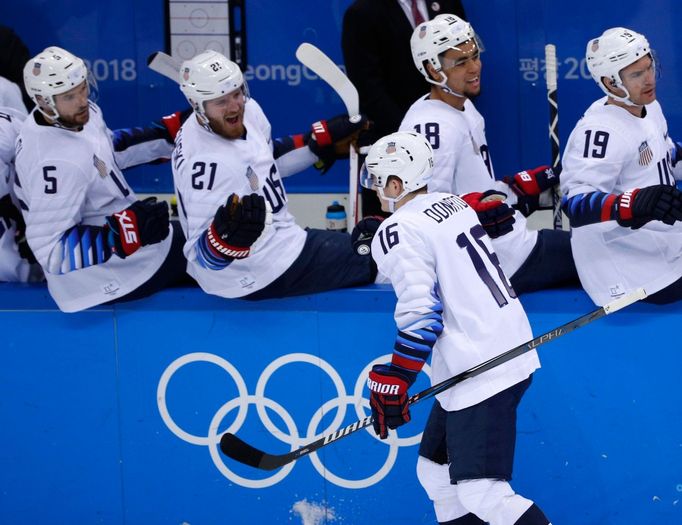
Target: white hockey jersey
x: 207, y: 169
x: 462, y: 164
x: 433, y: 250
x: 12, y: 267
x: 68, y: 178
x: 612, y: 151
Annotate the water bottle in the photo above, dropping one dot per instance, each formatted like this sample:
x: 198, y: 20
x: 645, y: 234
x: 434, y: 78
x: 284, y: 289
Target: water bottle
x: 336, y: 217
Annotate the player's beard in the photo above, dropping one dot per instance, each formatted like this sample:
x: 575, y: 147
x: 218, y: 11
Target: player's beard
x: 77, y: 120
x: 227, y: 129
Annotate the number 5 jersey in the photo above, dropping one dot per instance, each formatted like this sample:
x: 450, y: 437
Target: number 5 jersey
x: 68, y: 182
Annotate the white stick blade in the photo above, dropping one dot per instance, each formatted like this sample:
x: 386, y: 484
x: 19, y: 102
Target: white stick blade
x: 165, y: 65
x: 320, y: 64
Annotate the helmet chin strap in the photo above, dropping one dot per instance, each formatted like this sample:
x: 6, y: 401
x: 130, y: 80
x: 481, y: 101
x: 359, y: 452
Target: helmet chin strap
x: 444, y: 86
x: 392, y: 200
x: 624, y: 100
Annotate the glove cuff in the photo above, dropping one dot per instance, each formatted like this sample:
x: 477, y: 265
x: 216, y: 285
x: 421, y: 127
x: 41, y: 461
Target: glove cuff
x: 624, y: 204
x: 321, y: 134
x: 124, y: 229
x: 387, y: 381
x: 224, y: 249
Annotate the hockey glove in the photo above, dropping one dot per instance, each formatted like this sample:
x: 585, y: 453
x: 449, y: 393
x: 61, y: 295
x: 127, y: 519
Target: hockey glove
x: 496, y: 217
x: 174, y: 121
x: 331, y: 139
x: 388, y: 399
x: 529, y: 184
x: 363, y: 233
x: 237, y: 225
x: 636, y: 207
x: 140, y: 224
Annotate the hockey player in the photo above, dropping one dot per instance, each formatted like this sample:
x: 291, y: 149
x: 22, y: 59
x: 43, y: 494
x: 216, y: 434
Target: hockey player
x: 618, y: 179
x: 227, y: 171
x: 16, y: 260
x: 447, y: 51
x: 454, y: 300
x: 94, y: 240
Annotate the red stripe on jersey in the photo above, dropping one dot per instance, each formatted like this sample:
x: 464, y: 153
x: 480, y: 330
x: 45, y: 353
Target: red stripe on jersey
x: 607, y: 208
x: 298, y: 141
x: 408, y: 364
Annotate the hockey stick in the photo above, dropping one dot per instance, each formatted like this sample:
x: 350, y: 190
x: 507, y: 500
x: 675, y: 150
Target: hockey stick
x: 551, y: 78
x: 320, y: 64
x: 241, y: 451
x: 165, y: 65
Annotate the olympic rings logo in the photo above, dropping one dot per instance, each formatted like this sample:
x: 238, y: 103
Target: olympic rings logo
x: 293, y: 438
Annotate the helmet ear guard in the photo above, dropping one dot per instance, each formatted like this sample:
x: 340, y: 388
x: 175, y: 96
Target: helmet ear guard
x: 405, y: 155
x: 608, y: 54
x: 208, y: 76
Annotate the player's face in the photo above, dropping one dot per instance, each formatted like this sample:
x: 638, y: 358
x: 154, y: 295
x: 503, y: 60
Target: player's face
x: 639, y: 78
x: 226, y: 114
x: 73, y: 107
x: 462, y: 67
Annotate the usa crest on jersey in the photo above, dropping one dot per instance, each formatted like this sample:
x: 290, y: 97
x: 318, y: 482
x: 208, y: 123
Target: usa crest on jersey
x: 645, y: 154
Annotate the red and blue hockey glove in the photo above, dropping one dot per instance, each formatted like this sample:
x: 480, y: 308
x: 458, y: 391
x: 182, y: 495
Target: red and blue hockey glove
x: 496, y: 217
x: 529, y: 184
x: 174, y: 121
x: 237, y: 225
x: 388, y: 399
x: 140, y: 224
x: 331, y: 139
x: 636, y: 207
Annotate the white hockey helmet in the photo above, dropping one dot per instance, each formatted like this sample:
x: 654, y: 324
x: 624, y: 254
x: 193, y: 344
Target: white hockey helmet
x: 207, y: 76
x: 406, y: 155
x: 614, y: 50
x: 52, y: 72
x: 433, y: 38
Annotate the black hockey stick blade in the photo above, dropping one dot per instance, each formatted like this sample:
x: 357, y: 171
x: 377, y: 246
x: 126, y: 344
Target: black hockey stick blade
x: 241, y: 451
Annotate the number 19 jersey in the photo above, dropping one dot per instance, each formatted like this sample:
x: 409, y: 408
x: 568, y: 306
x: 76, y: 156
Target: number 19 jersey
x: 612, y: 151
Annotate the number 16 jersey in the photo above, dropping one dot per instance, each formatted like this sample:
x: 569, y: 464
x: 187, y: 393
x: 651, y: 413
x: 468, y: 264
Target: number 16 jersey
x: 437, y: 255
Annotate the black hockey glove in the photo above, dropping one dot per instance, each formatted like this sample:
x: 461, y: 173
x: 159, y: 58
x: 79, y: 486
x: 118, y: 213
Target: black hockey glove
x: 331, y: 139
x: 236, y: 225
x: 496, y: 217
x: 363, y: 233
x: 388, y: 399
x: 140, y: 224
x: 636, y: 207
